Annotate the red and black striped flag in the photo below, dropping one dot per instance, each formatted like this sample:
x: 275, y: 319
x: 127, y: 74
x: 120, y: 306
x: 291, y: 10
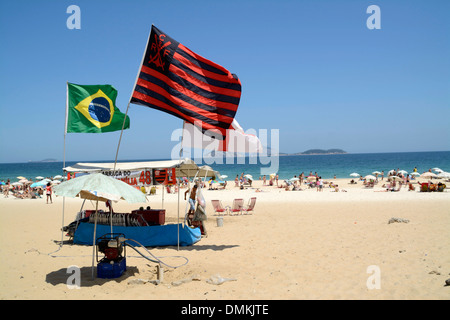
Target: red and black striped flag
x: 178, y: 81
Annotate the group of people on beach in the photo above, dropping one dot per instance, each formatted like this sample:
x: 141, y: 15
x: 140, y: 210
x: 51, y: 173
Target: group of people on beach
x: 25, y: 191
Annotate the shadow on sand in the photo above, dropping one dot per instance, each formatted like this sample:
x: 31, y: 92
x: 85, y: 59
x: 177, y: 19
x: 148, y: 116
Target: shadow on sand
x: 62, y: 276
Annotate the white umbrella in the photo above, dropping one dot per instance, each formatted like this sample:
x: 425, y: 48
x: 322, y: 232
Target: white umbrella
x: 249, y: 176
x: 57, y: 177
x: 403, y: 172
x: 39, y: 178
x: 370, y: 177
x: 437, y: 170
x: 376, y: 172
x: 17, y: 184
x: 223, y: 177
x: 395, y: 177
x: 428, y: 175
x: 98, y: 186
x: 55, y: 182
x: 354, y: 174
x: 444, y: 175
x: 294, y: 179
x: 415, y: 174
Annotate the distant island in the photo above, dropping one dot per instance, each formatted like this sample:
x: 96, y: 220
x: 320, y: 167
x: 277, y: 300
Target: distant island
x: 321, y: 151
x: 313, y: 152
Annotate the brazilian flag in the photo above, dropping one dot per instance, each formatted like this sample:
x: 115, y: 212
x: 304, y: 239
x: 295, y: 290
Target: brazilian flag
x: 92, y: 109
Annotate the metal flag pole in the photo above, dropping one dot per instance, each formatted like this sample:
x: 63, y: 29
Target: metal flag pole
x: 93, y: 240
x: 64, y: 158
x: 64, y: 165
x: 129, y: 101
x: 179, y: 191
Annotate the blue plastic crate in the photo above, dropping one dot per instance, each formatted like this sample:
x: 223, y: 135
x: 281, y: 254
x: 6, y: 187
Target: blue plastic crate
x: 108, y: 270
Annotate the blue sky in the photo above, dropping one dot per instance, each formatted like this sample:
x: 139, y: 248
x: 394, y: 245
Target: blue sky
x: 311, y: 69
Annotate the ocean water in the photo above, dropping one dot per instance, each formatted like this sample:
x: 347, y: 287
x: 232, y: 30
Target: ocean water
x: 327, y: 166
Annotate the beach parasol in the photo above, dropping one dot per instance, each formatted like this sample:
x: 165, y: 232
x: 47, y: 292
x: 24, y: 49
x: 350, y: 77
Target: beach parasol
x: 20, y: 178
x: 100, y: 183
x: 415, y: 174
x: 354, y: 174
x: 39, y: 178
x: 249, y: 176
x: 99, y: 187
x: 443, y: 174
x: 38, y: 184
x: 437, y: 170
x: 294, y: 179
x: 57, y: 177
x: 403, y: 172
x: 370, y: 177
x: 223, y: 176
x: 395, y: 177
x: 428, y: 175
x: 376, y: 172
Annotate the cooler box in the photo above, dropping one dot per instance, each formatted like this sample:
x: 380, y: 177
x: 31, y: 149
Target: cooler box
x: 152, y: 216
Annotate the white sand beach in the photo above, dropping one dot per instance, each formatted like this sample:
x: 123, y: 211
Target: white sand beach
x: 296, y: 245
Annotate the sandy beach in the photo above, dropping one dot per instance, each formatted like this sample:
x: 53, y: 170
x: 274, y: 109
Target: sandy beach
x: 296, y: 245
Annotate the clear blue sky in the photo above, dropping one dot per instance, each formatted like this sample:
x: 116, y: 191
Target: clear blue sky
x: 311, y: 69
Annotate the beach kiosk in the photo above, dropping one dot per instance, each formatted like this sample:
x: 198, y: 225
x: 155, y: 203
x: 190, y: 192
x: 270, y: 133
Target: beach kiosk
x: 146, y: 225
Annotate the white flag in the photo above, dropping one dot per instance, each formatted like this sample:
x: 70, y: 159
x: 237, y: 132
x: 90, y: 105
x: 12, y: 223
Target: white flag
x: 236, y: 141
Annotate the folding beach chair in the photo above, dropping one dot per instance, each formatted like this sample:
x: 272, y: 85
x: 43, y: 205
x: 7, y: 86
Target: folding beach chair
x: 250, y: 207
x: 218, y: 207
x: 238, y: 205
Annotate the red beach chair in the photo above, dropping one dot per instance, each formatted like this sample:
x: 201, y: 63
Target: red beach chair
x: 218, y: 207
x: 238, y: 205
x: 250, y: 207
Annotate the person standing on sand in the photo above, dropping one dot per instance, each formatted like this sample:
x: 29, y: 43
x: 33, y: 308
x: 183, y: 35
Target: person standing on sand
x: 48, y: 191
x: 191, y: 198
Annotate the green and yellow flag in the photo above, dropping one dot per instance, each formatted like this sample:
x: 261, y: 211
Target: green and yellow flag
x: 92, y: 109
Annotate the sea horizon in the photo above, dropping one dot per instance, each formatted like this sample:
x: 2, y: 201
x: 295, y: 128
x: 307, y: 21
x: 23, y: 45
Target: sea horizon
x: 168, y: 158
x: 326, y: 165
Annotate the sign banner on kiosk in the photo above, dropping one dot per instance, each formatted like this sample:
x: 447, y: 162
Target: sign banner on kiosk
x: 146, y: 177
x: 133, y: 178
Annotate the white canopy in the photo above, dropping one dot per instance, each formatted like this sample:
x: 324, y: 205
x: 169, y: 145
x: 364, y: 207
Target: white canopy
x: 184, y: 168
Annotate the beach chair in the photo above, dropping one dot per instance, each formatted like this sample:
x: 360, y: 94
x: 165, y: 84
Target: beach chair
x: 237, y: 206
x: 250, y: 207
x: 218, y: 207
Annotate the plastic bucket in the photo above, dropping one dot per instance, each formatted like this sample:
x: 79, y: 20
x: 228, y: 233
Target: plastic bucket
x: 219, y: 221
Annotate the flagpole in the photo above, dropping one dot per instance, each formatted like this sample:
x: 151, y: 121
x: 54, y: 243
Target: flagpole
x: 120, y: 139
x: 129, y: 101
x: 64, y: 157
x: 128, y: 106
x: 64, y: 165
x: 178, y: 222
